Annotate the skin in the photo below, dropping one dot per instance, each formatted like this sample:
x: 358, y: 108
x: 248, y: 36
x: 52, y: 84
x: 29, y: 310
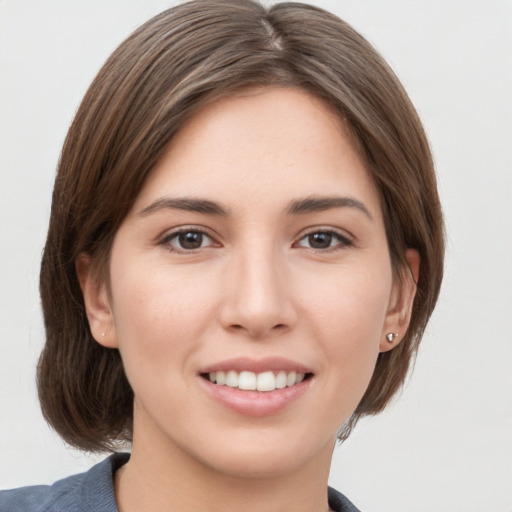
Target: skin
x: 257, y: 286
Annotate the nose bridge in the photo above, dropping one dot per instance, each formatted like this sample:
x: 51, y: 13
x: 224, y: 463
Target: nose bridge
x: 258, y: 300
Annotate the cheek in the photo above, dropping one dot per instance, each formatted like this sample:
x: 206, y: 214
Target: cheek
x: 351, y: 304
x: 160, y: 315
x: 348, y: 317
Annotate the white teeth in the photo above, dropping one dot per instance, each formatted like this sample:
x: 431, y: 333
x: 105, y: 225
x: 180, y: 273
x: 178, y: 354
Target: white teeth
x: 281, y: 380
x: 232, y: 379
x: 250, y: 381
x: 266, y: 381
x: 290, y: 379
x: 247, y: 380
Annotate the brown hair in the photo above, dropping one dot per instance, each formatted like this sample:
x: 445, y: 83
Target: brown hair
x: 164, y: 72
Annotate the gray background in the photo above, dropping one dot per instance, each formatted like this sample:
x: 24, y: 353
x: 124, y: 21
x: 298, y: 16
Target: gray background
x: 446, y: 443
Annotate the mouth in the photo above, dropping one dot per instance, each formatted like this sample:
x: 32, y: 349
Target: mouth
x: 257, y: 387
x: 251, y: 381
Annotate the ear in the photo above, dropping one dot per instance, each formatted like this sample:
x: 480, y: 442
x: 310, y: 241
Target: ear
x: 400, y: 307
x: 97, y: 303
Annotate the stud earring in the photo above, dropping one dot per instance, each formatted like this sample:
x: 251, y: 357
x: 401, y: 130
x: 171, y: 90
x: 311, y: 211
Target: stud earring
x: 391, y: 336
x: 102, y: 334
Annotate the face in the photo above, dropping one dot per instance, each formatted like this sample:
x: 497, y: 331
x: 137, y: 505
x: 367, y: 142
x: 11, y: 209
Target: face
x: 251, y: 287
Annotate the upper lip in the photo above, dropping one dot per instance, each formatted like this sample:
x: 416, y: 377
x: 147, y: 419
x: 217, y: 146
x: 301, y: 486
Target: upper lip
x: 240, y: 364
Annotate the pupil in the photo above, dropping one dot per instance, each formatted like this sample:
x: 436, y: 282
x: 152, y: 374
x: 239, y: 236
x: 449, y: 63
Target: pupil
x: 320, y: 240
x: 191, y: 240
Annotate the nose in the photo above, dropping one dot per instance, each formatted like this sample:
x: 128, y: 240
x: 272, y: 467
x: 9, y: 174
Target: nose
x: 258, y: 302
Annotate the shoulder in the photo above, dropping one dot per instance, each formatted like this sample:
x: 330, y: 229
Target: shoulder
x: 92, y: 491
x: 340, y: 503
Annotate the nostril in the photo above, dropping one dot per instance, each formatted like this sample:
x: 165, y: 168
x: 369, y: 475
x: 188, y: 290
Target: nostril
x: 258, y: 329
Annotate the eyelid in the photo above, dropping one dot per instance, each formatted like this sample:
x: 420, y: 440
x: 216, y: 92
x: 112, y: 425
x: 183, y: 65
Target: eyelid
x: 346, y: 239
x: 168, y: 235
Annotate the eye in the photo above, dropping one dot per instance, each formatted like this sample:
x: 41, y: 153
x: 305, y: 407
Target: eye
x: 187, y: 240
x: 325, y: 239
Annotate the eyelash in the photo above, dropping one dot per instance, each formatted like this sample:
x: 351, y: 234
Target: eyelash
x: 343, y: 240
x: 166, y: 240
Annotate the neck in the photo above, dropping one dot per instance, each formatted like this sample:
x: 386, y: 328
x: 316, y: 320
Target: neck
x: 169, y: 479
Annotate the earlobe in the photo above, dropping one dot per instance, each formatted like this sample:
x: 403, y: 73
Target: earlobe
x: 97, y: 303
x: 400, y: 310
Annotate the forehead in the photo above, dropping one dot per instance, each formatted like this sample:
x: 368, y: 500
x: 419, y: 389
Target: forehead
x: 256, y: 142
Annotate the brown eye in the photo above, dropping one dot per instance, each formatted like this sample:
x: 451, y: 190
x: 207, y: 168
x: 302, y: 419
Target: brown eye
x: 322, y: 240
x: 188, y: 240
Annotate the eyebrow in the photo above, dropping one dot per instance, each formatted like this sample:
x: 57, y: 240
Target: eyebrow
x: 296, y: 207
x: 318, y: 204
x: 188, y: 204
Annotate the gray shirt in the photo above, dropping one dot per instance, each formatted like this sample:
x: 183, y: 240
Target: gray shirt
x: 93, y: 491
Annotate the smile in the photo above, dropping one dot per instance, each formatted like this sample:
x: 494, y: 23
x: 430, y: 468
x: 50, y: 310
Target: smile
x: 251, y: 381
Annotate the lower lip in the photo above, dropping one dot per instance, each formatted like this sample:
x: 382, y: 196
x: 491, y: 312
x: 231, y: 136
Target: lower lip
x: 256, y: 403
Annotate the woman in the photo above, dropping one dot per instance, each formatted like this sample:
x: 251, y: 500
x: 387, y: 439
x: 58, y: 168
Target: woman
x: 244, y: 249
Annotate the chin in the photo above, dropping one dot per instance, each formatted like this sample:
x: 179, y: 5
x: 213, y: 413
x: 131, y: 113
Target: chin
x: 261, y: 455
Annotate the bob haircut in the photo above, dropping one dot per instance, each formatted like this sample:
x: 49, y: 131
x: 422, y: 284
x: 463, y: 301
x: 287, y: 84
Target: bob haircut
x: 169, y: 68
